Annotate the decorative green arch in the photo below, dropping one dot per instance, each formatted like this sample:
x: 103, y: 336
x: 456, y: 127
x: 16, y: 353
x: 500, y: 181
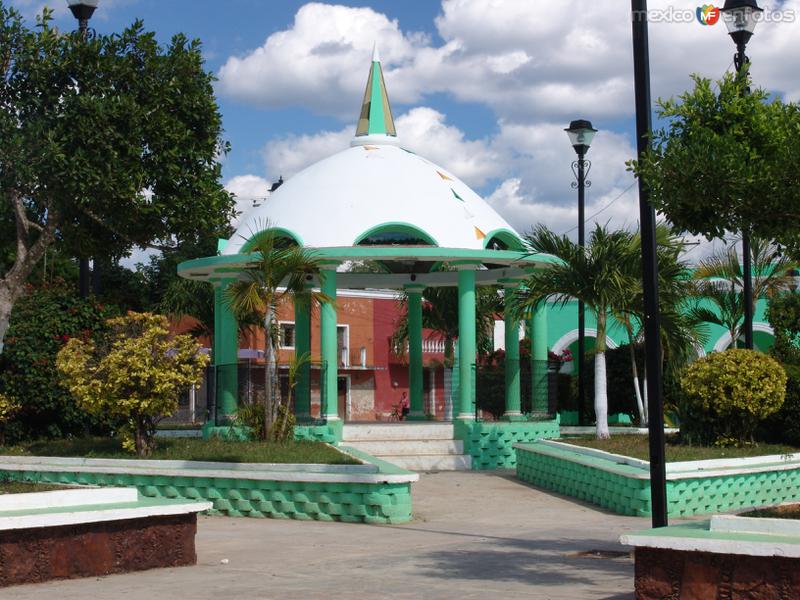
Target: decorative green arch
x: 508, y: 237
x: 278, y: 232
x: 397, y: 227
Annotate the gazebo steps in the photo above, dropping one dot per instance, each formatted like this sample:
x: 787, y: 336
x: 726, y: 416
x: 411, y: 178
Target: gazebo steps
x: 457, y: 462
x: 382, y: 448
x: 397, y: 431
x: 410, y: 445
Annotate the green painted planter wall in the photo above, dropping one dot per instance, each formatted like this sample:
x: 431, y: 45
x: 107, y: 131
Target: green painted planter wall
x: 238, y: 497
x: 491, y: 445
x: 619, y: 491
x: 330, y: 433
x: 616, y: 492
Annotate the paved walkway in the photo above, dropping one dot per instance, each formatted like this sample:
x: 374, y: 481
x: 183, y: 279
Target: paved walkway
x: 475, y: 536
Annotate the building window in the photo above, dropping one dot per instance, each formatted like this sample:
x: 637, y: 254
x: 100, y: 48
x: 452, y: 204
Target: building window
x: 286, y: 335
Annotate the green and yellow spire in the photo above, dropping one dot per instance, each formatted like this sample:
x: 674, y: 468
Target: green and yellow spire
x: 376, y: 112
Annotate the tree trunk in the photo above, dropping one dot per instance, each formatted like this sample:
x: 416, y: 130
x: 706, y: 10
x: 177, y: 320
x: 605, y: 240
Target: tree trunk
x: 601, y: 396
x: 27, y: 256
x: 269, y: 372
x: 600, y: 384
x: 6, y: 306
x: 635, y: 373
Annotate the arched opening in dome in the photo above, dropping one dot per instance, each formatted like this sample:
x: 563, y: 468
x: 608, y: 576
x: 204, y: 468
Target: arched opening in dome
x: 503, y: 239
x: 283, y: 238
x: 395, y: 234
x: 399, y: 234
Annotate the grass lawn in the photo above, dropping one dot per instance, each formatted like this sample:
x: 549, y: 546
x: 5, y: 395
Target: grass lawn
x: 14, y: 487
x: 215, y: 449
x: 636, y: 446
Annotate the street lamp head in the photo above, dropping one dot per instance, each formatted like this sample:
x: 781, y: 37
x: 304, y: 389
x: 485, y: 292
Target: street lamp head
x: 741, y: 18
x: 581, y: 133
x: 82, y: 9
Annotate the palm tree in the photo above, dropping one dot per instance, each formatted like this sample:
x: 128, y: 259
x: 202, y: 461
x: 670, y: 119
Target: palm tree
x: 279, y: 272
x: 721, y: 277
x: 599, y: 275
x: 679, y: 329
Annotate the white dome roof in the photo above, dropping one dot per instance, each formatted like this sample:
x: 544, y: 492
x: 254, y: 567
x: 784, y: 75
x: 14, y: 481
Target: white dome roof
x: 337, y: 201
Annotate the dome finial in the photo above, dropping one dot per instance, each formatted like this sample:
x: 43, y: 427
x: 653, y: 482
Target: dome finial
x: 376, y: 112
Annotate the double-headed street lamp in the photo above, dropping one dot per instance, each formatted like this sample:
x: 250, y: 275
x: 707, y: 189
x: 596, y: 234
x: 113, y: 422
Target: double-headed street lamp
x: 741, y: 17
x: 83, y: 10
x: 581, y: 133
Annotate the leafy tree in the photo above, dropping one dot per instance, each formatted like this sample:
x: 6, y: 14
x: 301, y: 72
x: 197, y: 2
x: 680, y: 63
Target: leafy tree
x: 727, y: 161
x: 135, y: 372
x: 783, y: 314
x: 679, y: 331
x: 42, y: 322
x: 720, y: 279
x: 105, y: 143
x: 279, y: 272
x: 600, y: 275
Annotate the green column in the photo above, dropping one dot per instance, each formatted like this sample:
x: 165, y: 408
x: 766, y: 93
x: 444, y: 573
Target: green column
x: 226, y: 354
x: 330, y: 348
x: 513, y: 400
x: 415, y: 373
x: 302, y: 345
x: 539, y: 361
x: 466, y: 342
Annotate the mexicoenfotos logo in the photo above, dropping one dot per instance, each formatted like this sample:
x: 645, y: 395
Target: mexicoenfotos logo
x: 708, y: 14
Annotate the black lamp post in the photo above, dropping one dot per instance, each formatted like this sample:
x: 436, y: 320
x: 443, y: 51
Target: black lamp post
x: 652, y: 312
x: 741, y: 17
x: 581, y: 133
x: 83, y: 10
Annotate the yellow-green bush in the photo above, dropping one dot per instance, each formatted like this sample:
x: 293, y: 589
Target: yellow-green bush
x: 135, y: 372
x: 729, y: 392
x: 9, y: 407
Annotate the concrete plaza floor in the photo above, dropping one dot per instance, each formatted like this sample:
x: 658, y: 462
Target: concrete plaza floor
x: 475, y: 535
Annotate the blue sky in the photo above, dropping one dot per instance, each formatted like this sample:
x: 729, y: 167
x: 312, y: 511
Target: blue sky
x: 483, y: 87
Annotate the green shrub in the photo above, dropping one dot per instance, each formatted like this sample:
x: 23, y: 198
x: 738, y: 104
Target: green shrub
x: 783, y: 313
x: 729, y: 393
x: 784, y: 425
x: 41, y: 324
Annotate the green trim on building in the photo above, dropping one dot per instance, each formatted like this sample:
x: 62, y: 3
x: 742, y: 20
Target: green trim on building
x: 415, y: 368
x: 329, y: 348
x: 508, y: 237
x: 226, y: 354
x: 466, y: 343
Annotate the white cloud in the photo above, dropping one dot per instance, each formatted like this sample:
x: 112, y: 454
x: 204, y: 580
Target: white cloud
x: 528, y: 61
x: 320, y: 62
x: 248, y: 190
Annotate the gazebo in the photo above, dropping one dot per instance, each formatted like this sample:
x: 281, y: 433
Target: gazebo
x: 381, y: 203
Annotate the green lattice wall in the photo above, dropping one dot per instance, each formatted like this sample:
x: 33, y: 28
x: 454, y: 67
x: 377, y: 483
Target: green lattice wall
x: 491, y: 445
x: 615, y: 488
x: 623, y: 495
x: 349, y: 502
x: 328, y: 433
